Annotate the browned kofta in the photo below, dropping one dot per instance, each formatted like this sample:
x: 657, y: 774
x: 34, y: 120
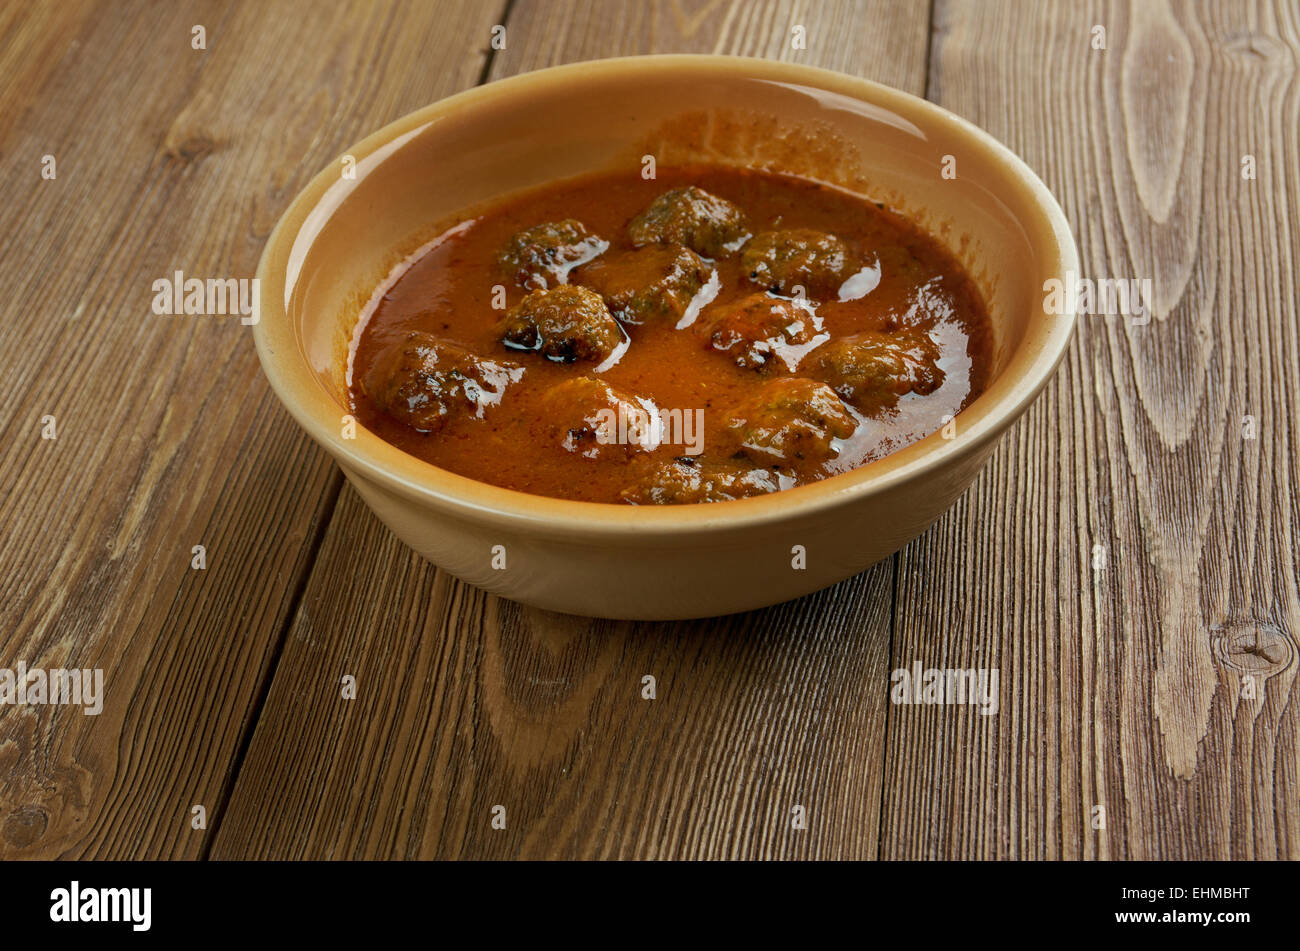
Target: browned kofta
x: 542, y: 256
x: 692, y: 217
x: 565, y: 324
x: 762, y: 332
x: 589, y: 417
x: 424, y: 381
x: 657, y: 282
x: 871, y: 370
x: 686, y: 479
x: 799, y: 258
x: 789, y: 420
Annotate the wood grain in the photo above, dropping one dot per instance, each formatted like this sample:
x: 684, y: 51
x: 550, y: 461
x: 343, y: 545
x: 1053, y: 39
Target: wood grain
x: 167, y: 158
x: 467, y: 702
x: 1125, y: 686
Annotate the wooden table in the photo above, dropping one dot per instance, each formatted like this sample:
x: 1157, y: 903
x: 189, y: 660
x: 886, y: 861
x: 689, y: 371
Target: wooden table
x: 1128, y: 560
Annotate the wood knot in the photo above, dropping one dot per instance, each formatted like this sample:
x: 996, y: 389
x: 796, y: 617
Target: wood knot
x: 1253, y: 647
x: 192, y: 149
x: 24, y: 826
x: 1257, y: 47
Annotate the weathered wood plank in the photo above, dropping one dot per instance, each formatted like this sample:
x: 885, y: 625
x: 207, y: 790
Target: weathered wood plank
x: 167, y: 157
x: 1125, y: 686
x: 466, y: 701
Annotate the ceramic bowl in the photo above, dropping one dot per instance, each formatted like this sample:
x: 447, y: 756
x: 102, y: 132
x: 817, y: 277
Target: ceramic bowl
x: 391, y: 192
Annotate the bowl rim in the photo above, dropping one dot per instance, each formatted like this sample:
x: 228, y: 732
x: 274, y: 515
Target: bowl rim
x: 319, y: 413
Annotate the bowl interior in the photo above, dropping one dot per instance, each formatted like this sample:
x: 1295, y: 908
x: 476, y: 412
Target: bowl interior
x: 400, y: 187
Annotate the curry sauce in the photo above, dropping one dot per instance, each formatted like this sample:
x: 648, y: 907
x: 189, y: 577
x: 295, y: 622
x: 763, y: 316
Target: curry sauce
x: 711, y: 334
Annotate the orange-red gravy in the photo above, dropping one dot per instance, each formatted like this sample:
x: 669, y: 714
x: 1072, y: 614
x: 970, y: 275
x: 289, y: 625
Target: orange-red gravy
x: 449, y: 292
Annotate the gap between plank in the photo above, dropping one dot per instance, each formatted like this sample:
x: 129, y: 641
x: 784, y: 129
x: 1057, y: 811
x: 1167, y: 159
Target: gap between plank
x: 492, y: 50
x: 896, y: 558
x: 264, y: 688
x: 929, y: 49
x: 300, y: 588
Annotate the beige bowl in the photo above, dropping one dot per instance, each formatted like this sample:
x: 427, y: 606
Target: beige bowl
x: 347, y: 230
